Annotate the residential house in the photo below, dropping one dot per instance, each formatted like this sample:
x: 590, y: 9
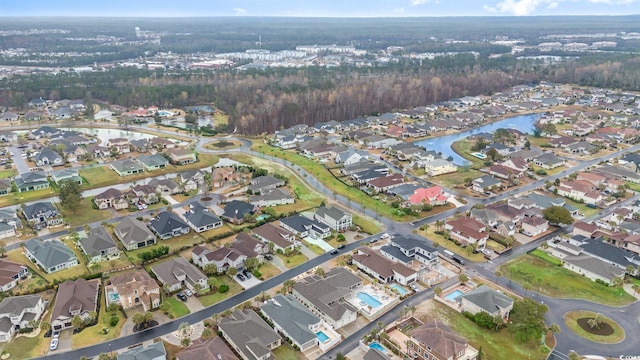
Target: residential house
x: 153, y: 351
x: 248, y: 246
x: 249, y: 335
x: 46, y: 131
x: 131, y: 289
x: 302, y: 226
x: 281, y: 239
x: 42, y: 214
x: 548, y: 161
x: 381, y: 268
x: 98, y: 152
x: 504, y: 172
x: 326, y: 297
x: 384, y: 183
x: 99, y: 245
x: 236, y: 210
x: 296, y: 322
x: 50, y: 255
x: 111, y: 198
x: 351, y: 156
x: 534, y: 225
x: 222, y: 258
x: 191, y: 180
x: 133, y: 233
x: 335, y: 218
x: 48, y: 157
x: 593, y: 268
x: 201, y: 219
x: 181, y: 156
x: 74, y: 298
x: 143, y: 194
x: 584, y: 229
x: 580, y: 190
x: 467, y: 231
x: 264, y: 183
x: 119, y: 145
x: 485, y: 183
x: 439, y: 167
x: 31, y: 181
x: 405, y: 250
x: 153, y: 162
x: 273, y: 197
x: 178, y: 272
x: 5, y: 187
x: 18, y: 312
x: 223, y: 175
x: 165, y: 186
x: 10, y: 273
x: 581, y: 147
x: 161, y: 143
x: 209, y: 348
x: 139, y: 145
x: 126, y: 167
x: 375, y: 354
x: 484, y: 298
x: 434, y: 340
x: 167, y: 225
x: 66, y: 175
x: 432, y: 195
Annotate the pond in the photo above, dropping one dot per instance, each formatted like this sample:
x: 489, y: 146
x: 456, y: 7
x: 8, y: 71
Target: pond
x: 105, y: 134
x: 442, y: 144
x: 202, y: 121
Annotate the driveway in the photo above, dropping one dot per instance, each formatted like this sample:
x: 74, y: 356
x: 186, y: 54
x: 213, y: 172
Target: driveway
x: 193, y: 304
x: 21, y: 164
x: 247, y: 283
x: 64, y: 342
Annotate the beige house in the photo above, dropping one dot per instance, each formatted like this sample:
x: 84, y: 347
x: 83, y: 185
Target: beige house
x: 434, y: 340
x: 439, y: 167
x: 74, y: 298
x: 132, y: 289
x: 486, y: 299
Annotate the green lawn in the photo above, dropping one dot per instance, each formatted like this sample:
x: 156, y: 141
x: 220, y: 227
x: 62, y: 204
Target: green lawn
x: 293, y: 261
x: 27, y: 348
x: 450, y: 245
x: 84, y: 214
x: 285, y: 353
x: 17, y: 255
x: 495, y: 345
x: 571, y: 318
x: 366, y: 225
x: 315, y: 248
x: 457, y: 178
x: 95, y: 334
x: 99, y: 176
x: 178, y: 308
x: 23, y: 197
x: 556, y: 281
x: 7, y: 173
x: 544, y: 256
x: 268, y: 270
x: 191, y: 239
x: 583, y: 208
x: 463, y: 148
x: 234, y: 288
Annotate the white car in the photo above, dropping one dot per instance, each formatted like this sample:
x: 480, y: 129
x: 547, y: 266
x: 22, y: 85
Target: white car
x: 384, y: 236
x: 188, y: 292
x: 414, y: 287
x: 54, y: 344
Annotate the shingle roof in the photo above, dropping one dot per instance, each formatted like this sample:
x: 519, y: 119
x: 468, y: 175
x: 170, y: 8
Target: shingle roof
x: 200, y: 216
x: 168, y: 270
x: 166, y: 221
x: 440, y: 338
x: 290, y: 315
x: 249, y: 332
x: 487, y: 299
x: 150, y: 352
x: 49, y: 253
x: 15, y: 305
x: 79, y: 294
x: 132, y: 231
x: 98, y: 240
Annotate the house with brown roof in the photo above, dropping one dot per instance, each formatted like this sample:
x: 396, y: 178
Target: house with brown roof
x: 10, y: 273
x: 534, y: 225
x: 584, y: 229
x: 131, y: 289
x: 580, y: 190
x: 111, y: 198
x: 74, y: 298
x: 467, y: 231
x: 281, y: 239
x: 435, y: 340
x: 161, y: 143
x: 381, y: 268
x: 119, y: 145
x: 222, y: 258
x: 518, y: 164
x: 248, y: 246
x: 504, y: 172
x: 249, y: 335
x: 211, y: 348
x: 385, y: 183
x: 178, y: 272
x: 223, y: 175
x: 181, y: 156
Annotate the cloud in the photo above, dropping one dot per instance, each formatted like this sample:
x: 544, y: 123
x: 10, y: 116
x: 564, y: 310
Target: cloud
x: 398, y: 10
x: 612, y: 2
x: 239, y: 11
x: 419, y: 2
x: 521, y: 7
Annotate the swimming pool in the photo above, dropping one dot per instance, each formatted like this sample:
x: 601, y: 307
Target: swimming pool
x: 262, y: 217
x: 375, y: 345
x: 369, y: 300
x: 452, y: 296
x: 402, y: 291
x: 479, y: 155
x: 322, y: 336
x: 114, y: 297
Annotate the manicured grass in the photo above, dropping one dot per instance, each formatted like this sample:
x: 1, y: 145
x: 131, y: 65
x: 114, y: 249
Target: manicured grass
x: 234, y: 288
x: 633, y: 186
x: 493, y: 245
x: 583, y: 208
x: 23, y: 197
x: 18, y: 256
x: 99, y: 176
x: 534, y: 168
x: 495, y: 345
x: 315, y: 248
x: 544, y: 256
x: 285, y: 353
x: 84, y: 214
x: 560, y: 282
x: 463, y: 148
x: 268, y: 270
x: 26, y: 347
x: 191, y: 239
x: 224, y: 229
x: 94, y: 334
x: 450, y: 245
x: 7, y: 173
x: 293, y: 261
x: 457, y: 178
x: 366, y: 225
x: 220, y: 119
x: 571, y: 318
x: 118, y: 263
x: 323, y: 175
x: 178, y: 308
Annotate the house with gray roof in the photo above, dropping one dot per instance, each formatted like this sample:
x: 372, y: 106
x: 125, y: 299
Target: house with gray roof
x: 249, y: 335
x: 335, y: 218
x: 484, y: 298
x: 49, y: 157
x: 191, y: 179
x: 273, y: 197
x: 16, y: 312
x: 485, y: 183
x: 134, y: 234
x: 411, y: 249
x: 210, y: 348
x: 99, y: 245
x: 435, y: 340
x: 351, y: 156
x: 126, y: 167
x: 178, y: 272
x: 66, y: 175
x: 154, y: 351
x: 374, y: 354
x: 593, y: 268
x: 264, y: 183
x: 153, y: 162
x: 167, y: 225
x: 5, y: 186
x: 200, y: 218
x: 43, y: 214
x: 31, y: 181
x: 74, y: 298
x: 296, y: 322
x: 326, y: 297
x: 302, y: 226
x: 548, y: 161
x: 235, y: 211
x: 50, y: 255
x: 165, y: 186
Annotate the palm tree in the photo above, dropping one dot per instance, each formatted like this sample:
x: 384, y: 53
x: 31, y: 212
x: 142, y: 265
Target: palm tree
x: 45, y: 326
x: 437, y: 290
x: 77, y: 322
x: 407, y: 343
x: 635, y: 288
x: 573, y: 355
x: 412, y: 309
x: 554, y: 328
x: 526, y: 286
x: 597, y: 321
x: 206, y: 333
x: 544, y: 350
x: 183, y: 329
x: 3, y: 248
x: 288, y: 285
x: 320, y: 271
x: 498, y: 274
x: 463, y: 278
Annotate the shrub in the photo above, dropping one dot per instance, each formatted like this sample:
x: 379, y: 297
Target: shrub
x: 114, y: 320
x: 223, y: 288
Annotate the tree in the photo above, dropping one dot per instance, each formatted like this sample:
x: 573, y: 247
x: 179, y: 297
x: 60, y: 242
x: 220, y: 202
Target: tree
x: 573, y: 355
x: 635, y: 288
x: 77, y: 322
x: 210, y: 269
x: 544, y: 350
x: 557, y: 215
x: 206, y: 333
x: 232, y: 271
x: 597, y: 321
x: 526, y: 286
x: 185, y: 342
x: 527, y: 319
x: 339, y: 356
x: 3, y: 248
x: 70, y: 196
x: 463, y: 278
x: 251, y: 263
x: 288, y: 285
x: 183, y: 329
x: 554, y: 328
x: 437, y: 290
x: 320, y: 271
x: 45, y: 326
x: 142, y: 320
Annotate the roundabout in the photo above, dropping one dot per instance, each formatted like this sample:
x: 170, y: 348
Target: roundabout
x: 594, y: 327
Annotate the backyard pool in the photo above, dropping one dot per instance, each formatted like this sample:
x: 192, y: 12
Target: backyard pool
x: 262, y: 217
x: 114, y: 297
x: 369, y: 300
x: 479, y: 155
x: 452, y: 296
x: 322, y: 336
x: 402, y: 291
x: 375, y: 345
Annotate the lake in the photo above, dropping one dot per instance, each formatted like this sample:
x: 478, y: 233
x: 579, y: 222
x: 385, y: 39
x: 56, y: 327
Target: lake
x: 105, y: 134
x: 442, y: 144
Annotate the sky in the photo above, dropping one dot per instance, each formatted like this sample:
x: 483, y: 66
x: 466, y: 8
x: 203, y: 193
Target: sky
x: 316, y: 8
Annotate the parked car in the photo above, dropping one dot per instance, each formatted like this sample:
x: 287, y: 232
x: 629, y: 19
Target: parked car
x: 56, y: 334
x: 188, y: 292
x: 246, y: 273
x: 54, y: 344
x: 384, y: 236
x: 182, y: 296
x: 334, y: 252
x: 240, y: 277
x: 414, y: 287
x: 340, y: 247
x: 268, y: 257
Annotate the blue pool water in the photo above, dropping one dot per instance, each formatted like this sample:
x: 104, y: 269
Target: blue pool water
x: 322, y: 336
x: 114, y: 297
x: 375, y: 345
x: 369, y: 300
x: 402, y: 291
x: 452, y: 296
x: 262, y: 217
